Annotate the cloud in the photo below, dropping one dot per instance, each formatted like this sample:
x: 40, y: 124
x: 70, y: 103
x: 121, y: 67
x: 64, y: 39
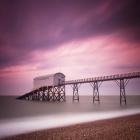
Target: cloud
x: 95, y: 56
x: 30, y: 26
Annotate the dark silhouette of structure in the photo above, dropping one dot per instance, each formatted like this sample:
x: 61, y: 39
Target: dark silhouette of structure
x: 57, y: 92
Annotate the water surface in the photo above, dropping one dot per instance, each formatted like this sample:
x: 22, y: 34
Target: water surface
x: 21, y: 116
x: 10, y: 107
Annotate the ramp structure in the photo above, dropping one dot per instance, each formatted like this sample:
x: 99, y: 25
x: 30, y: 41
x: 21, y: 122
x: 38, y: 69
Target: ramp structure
x: 51, y: 93
x: 57, y: 92
x: 47, y: 88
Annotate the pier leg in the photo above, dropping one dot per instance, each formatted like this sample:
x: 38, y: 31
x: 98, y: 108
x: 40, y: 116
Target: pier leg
x: 40, y: 95
x: 58, y: 93
x: 122, y: 84
x: 95, y: 85
x: 34, y: 95
x: 50, y: 94
x: 62, y: 96
x: 55, y: 93
x: 46, y: 94
x: 44, y: 89
x: 122, y: 92
x: 75, y: 92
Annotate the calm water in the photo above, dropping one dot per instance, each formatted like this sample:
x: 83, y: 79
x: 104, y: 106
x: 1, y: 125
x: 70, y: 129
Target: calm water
x: 10, y: 107
x: 25, y: 116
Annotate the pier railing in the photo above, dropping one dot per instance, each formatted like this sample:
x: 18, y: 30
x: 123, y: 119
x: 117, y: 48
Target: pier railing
x: 105, y: 78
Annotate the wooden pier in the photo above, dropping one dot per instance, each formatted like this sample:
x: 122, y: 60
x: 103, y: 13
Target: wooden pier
x: 57, y: 93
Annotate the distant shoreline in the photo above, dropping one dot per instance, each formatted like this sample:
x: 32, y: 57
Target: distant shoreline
x: 127, y: 127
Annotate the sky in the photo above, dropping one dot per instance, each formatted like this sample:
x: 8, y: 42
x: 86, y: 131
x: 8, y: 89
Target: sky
x: 80, y: 38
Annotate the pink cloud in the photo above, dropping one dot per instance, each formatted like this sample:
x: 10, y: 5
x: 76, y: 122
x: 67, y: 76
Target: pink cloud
x: 93, y: 56
x: 96, y: 56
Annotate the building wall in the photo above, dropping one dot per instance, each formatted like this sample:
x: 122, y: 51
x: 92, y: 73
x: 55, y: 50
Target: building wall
x: 43, y: 82
x: 51, y: 80
x: 59, y: 79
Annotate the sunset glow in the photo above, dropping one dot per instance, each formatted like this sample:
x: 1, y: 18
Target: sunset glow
x: 78, y: 38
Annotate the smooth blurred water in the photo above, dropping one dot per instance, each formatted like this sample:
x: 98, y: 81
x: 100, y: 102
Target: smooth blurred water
x: 21, y: 116
x: 11, y: 108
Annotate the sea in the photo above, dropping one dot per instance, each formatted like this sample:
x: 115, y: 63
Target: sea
x: 22, y: 116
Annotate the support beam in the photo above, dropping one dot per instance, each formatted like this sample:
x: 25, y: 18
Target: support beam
x: 45, y: 90
x: 122, y: 84
x: 62, y: 95
x: 75, y: 88
x: 46, y: 93
x: 95, y: 85
x: 39, y: 94
x: 50, y: 94
x: 56, y: 95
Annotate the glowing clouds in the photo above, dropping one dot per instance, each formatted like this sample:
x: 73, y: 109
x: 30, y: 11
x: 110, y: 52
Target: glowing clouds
x: 77, y: 59
x: 88, y: 57
x: 79, y: 38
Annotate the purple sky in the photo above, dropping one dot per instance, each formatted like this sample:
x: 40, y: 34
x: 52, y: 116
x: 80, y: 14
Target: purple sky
x: 80, y: 38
